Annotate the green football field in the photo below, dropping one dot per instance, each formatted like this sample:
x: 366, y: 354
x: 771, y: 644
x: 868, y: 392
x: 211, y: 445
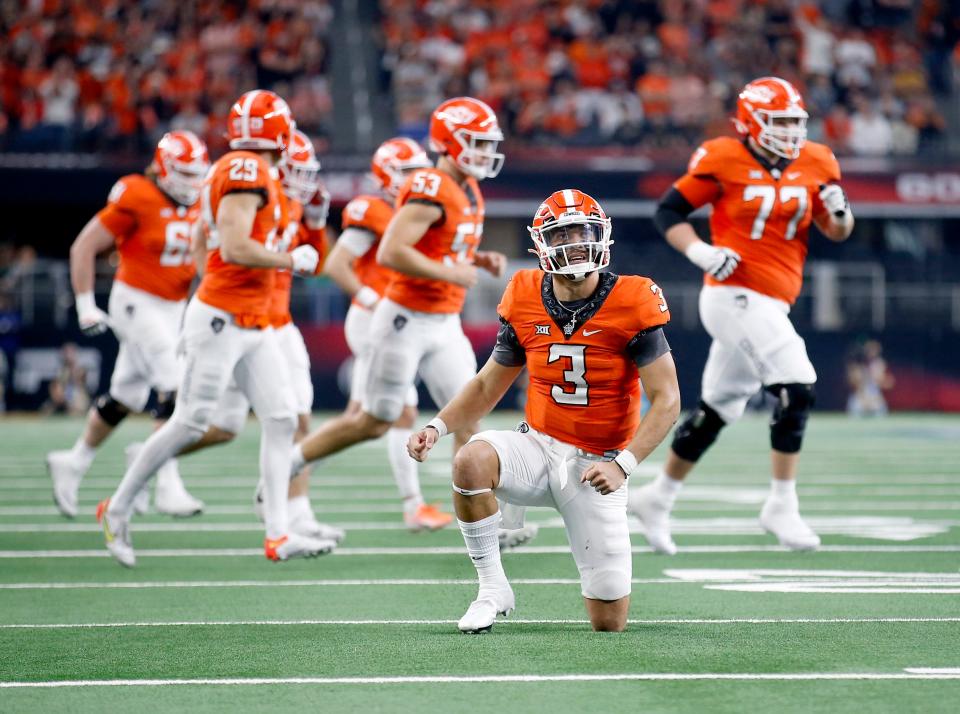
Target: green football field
x: 733, y: 623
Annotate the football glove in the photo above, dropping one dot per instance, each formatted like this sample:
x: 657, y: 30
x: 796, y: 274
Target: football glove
x: 93, y: 321
x: 719, y: 263
x: 305, y: 259
x: 315, y: 212
x: 834, y: 199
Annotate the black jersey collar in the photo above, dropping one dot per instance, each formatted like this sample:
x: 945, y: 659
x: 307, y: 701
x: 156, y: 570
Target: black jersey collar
x: 564, y: 319
x: 774, y: 168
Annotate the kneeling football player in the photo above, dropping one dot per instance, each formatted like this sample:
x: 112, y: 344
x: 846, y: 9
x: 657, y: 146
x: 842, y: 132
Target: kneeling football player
x: 585, y: 338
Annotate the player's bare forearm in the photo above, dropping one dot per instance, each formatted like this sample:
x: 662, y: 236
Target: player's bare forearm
x: 198, y: 247
x: 92, y: 240
x: 243, y: 250
x: 474, y: 401
x: 339, y: 268
x: 235, y: 217
x: 410, y: 261
x: 836, y: 229
x: 405, y: 230
x: 480, y: 395
x: 659, y: 380
x: 681, y: 236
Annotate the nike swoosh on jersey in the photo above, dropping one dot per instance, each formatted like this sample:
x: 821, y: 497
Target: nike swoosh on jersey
x: 794, y: 174
x: 587, y: 333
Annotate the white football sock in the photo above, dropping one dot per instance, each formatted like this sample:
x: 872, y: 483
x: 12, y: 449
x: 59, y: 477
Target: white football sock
x: 783, y: 490
x: 168, y: 474
x: 164, y: 443
x: 275, y: 439
x: 82, y: 455
x: 297, y: 462
x: 404, y: 468
x: 483, y: 547
x: 298, y: 507
x: 667, y: 487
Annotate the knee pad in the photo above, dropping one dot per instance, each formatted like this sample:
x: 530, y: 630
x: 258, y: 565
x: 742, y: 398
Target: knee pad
x: 697, y: 432
x: 166, y: 402
x: 794, y: 402
x: 110, y: 410
x: 605, y: 584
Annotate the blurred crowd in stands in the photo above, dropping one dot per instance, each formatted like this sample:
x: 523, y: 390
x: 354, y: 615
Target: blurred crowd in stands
x: 93, y: 75
x: 664, y: 73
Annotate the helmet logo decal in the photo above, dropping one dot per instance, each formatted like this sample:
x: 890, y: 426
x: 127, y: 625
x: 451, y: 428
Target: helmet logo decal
x: 457, y: 114
x: 758, y: 93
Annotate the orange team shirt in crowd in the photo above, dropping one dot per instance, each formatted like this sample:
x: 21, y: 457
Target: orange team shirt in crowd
x: 371, y: 214
x: 763, y: 215
x: 152, y: 233
x: 584, y: 387
x: 452, y: 239
x: 293, y: 233
x: 243, y: 292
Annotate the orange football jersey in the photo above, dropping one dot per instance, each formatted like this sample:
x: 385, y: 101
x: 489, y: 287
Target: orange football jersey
x: 583, y: 387
x: 764, y: 216
x: 152, y: 233
x: 243, y: 292
x: 293, y: 233
x: 453, y: 239
x: 373, y: 214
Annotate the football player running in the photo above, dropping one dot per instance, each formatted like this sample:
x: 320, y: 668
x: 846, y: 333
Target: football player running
x: 353, y: 266
x: 432, y: 245
x: 303, y: 210
x: 148, y: 219
x: 226, y: 333
x: 765, y: 190
x: 585, y: 338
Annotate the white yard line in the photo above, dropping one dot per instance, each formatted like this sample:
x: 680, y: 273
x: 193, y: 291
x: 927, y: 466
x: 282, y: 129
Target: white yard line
x: 164, y: 584
x: 215, y: 510
x: 506, y: 621
x: 188, y: 526
x: 945, y: 486
x: 501, y: 678
x: 459, y: 550
x: 880, y: 527
x: 38, y: 508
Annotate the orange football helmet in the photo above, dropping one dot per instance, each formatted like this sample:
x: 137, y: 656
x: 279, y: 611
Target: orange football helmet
x: 571, y: 234
x: 299, y: 168
x: 181, y: 161
x: 771, y: 110
x: 467, y: 130
x: 394, y: 157
x: 260, y: 121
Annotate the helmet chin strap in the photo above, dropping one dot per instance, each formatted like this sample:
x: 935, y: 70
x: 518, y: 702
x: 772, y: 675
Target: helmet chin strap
x: 576, y: 277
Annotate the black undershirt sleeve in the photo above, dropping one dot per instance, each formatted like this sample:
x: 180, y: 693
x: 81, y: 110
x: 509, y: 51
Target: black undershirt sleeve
x: 647, y: 346
x: 672, y: 209
x: 508, y: 351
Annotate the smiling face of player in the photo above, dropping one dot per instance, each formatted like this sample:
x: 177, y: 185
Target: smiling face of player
x: 571, y: 246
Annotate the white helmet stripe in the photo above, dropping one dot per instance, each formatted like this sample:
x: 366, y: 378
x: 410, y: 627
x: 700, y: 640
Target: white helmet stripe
x: 790, y: 89
x: 568, y: 199
x: 245, y: 113
x: 196, y: 148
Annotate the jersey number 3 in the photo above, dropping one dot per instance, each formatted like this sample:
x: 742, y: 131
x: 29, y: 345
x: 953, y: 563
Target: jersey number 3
x: 572, y: 377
